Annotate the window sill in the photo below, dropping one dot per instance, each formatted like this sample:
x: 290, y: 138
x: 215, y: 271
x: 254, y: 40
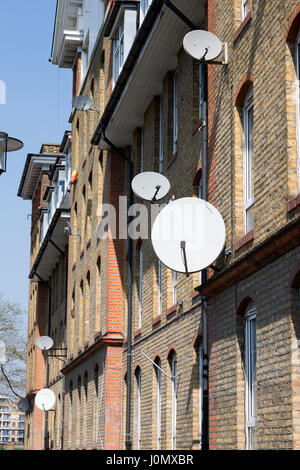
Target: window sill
x: 171, y: 310
x: 171, y: 160
x: 156, y: 320
x: 242, y: 26
x: 138, y: 333
x: 293, y: 203
x: 244, y: 240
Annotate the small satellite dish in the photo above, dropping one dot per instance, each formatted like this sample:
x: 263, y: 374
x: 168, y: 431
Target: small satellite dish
x: 23, y: 404
x: 188, y: 235
x: 150, y: 186
x: 44, y: 343
x: 82, y: 103
x: 202, y: 45
x: 45, y: 399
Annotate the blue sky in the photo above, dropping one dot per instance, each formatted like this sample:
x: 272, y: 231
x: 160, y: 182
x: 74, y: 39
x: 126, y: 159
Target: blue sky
x: 38, y: 105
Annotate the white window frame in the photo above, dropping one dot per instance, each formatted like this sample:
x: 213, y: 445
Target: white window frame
x: 248, y: 156
x: 118, y: 50
x: 174, y: 286
x: 158, y: 398
x: 250, y: 374
x: 141, y: 266
x: 144, y: 7
x: 200, y: 390
x: 174, y: 399
x: 175, y: 113
x: 159, y: 286
x: 245, y: 8
x: 139, y: 402
x: 161, y: 141
x: 297, y: 61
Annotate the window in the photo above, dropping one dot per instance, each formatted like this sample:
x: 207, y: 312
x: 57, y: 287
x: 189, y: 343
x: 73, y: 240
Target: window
x: 118, y: 59
x: 245, y: 8
x: 248, y: 162
x: 159, y: 286
x: 139, y: 393
x: 144, y: 7
x: 175, y: 113
x: 161, y: 143
x: 140, y: 287
x: 250, y: 374
x: 123, y: 34
x: 174, y: 398
x: 174, y: 287
x: 158, y: 401
x: 200, y: 385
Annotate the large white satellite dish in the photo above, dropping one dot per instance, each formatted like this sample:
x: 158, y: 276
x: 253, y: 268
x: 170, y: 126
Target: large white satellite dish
x: 45, y: 399
x: 150, y: 186
x: 188, y: 235
x: 82, y: 103
x: 202, y: 45
x: 44, y: 343
x: 23, y: 404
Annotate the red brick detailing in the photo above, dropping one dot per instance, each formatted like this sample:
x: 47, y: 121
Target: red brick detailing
x: 114, y: 313
x: 293, y: 203
x: 293, y: 25
x: 77, y: 75
x: 156, y: 320
x: 171, y: 310
x: 244, y: 240
x: 138, y: 333
x: 156, y: 355
x: 172, y: 349
x: 113, y: 398
x: 242, y: 26
x: 245, y: 83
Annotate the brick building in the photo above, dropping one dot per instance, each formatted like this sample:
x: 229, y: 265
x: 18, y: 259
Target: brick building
x: 12, y: 422
x: 127, y: 56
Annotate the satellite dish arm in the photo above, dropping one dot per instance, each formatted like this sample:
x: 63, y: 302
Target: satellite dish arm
x: 172, y: 377
x: 180, y: 14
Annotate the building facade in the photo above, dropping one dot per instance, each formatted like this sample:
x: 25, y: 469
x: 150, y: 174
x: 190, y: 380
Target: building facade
x: 12, y: 423
x: 140, y: 339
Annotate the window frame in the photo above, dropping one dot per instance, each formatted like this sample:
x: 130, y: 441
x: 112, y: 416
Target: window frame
x: 118, y: 47
x: 159, y: 286
x: 245, y: 8
x: 200, y: 389
x: 248, y: 186
x: 158, y: 399
x: 138, y: 375
x: 161, y: 142
x: 250, y: 374
x: 174, y: 286
x: 174, y: 400
x: 140, y: 292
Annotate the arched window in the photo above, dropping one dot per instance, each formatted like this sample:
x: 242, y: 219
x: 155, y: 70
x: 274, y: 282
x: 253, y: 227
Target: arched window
x: 200, y: 388
x: 248, y: 161
x: 173, y: 366
x: 138, y: 377
x: 158, y: 402
x: 250, y: 373
x: 95, y: 411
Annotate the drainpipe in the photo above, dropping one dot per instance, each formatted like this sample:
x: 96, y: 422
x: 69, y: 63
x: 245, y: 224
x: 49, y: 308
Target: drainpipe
x: 128, y: 442
x: 205, y: 412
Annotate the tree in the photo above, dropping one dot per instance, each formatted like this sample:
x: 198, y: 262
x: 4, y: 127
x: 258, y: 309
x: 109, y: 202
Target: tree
x: 13, y: 337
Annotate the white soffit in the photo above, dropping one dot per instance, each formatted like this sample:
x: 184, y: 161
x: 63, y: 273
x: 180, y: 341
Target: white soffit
x: 157, y: 58
x: 36, y: 165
